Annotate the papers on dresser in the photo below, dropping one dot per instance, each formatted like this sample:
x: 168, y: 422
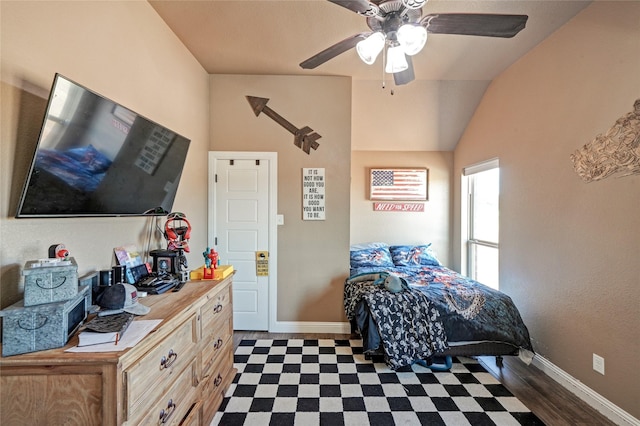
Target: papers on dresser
x: 136, y: 331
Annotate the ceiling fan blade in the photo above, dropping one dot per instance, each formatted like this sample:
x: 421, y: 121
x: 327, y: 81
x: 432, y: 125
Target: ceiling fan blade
x: 406, y: 76
x: 361, y: 7
x: 475, y: 24
x: 333, y: 51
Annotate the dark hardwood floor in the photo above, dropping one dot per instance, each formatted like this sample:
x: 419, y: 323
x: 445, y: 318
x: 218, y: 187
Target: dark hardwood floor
x: 552, y: 403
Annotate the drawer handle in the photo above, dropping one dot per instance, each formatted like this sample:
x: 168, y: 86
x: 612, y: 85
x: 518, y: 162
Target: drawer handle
x: 38, y: 321
x: 218, y: 344
x: 39, y: 282
x: 167, y: 361
x: 166, y: 413
x: 217, y: 380
x: 218, y: 308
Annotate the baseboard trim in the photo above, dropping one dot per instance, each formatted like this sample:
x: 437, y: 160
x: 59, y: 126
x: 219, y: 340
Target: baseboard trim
x: 588, y: 395
x: 310, y: 327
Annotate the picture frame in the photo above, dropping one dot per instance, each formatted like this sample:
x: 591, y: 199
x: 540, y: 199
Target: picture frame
x: 398, y: 184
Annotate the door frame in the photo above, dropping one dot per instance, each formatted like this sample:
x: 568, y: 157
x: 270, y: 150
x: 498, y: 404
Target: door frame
x: 272, y: 226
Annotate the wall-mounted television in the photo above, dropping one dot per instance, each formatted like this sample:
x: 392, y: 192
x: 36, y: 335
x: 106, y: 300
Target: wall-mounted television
x: 95, y: 157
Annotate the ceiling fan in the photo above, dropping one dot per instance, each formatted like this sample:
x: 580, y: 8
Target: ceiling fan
x: 400, y: 25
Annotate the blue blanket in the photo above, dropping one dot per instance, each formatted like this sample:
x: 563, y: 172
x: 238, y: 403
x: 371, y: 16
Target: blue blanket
x: 468, y: 310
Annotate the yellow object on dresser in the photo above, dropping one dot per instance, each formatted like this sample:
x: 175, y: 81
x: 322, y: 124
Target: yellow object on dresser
x: 221, y: 272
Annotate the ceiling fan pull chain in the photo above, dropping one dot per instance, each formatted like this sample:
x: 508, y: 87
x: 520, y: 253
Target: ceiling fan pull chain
x: 384, y: 61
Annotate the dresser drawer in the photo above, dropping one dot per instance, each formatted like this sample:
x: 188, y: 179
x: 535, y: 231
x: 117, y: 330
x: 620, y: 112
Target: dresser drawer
x: 216, y: 383
x: 220, y: 342
x: 194, y: 417
x: 177, y: 403
x: 156, y: 371
x: 219, y: 306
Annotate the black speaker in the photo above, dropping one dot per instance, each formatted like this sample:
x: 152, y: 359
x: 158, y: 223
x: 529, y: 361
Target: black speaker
x: 119, y: 274
x: 106, y: 277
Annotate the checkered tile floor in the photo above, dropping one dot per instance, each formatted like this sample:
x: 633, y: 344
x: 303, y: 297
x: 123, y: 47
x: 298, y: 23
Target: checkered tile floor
x: 329, y: 382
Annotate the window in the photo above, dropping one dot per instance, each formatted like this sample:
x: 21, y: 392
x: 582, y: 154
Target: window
x: 61, y: 112
x: 483, y: 223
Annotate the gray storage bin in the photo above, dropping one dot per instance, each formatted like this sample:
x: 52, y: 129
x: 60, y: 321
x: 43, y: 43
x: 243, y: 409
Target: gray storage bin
x: 37, y: 328
x: 50, y: 283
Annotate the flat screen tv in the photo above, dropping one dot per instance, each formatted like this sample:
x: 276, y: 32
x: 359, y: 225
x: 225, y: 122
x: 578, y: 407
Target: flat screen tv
x: 95, y: 157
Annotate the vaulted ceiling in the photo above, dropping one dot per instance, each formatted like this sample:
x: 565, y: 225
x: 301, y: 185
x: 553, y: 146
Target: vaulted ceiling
x: 269, y: 37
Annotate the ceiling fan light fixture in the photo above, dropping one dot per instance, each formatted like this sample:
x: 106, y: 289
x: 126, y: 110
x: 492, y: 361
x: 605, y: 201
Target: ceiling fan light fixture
x: 396, y: 61
x: 369, y: 48
x: 413, y: 4
x: 412, y: 38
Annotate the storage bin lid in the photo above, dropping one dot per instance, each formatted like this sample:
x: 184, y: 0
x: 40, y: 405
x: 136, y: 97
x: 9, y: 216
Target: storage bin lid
x: 50, y: 265
x: 19, y: 308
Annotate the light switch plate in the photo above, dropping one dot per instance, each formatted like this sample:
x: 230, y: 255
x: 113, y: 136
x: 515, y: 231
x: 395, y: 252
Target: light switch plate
x: 598, y: 364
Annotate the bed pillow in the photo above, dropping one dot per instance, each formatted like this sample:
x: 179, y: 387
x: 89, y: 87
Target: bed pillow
x: 376, y: 257
x: 422, y: 255
x: 363, y: 246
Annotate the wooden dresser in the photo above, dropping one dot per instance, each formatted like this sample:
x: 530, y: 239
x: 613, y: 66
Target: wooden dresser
x: 178, y: 374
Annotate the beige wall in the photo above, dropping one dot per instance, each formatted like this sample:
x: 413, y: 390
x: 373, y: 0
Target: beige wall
x: 413, y: 117
x: 568, y: 249
x: 124, y: 51
x: 313, y: 256
x: 431, y: 226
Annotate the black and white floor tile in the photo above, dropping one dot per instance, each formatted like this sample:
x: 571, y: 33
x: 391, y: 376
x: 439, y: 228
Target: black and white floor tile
x: 329, y: 382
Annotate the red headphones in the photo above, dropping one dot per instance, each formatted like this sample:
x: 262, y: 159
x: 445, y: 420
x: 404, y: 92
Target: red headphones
x: 177, y: 231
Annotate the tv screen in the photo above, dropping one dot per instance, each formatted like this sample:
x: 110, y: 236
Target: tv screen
x: 95, y: 157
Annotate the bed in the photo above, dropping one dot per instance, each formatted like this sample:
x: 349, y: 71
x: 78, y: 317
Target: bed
x: 438, y: 314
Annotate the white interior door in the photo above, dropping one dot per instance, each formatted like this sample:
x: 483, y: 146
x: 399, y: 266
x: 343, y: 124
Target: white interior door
x: 242, y: 219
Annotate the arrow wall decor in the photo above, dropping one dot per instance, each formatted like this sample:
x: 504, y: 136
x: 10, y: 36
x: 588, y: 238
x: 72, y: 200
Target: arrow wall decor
x: 303, y: 138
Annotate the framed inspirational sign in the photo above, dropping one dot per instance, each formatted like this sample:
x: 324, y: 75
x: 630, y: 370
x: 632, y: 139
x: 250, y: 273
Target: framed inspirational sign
x: 313, y: 187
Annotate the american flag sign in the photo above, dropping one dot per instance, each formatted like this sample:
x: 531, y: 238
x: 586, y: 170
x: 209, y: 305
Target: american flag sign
x: 399, y: 184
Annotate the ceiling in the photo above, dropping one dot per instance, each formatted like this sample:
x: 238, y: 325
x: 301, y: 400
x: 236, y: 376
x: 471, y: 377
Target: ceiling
x: 269, y: 37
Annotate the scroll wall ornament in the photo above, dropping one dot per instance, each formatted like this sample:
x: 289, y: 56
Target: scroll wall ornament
x: 617, y: 152
x: 304, y: 138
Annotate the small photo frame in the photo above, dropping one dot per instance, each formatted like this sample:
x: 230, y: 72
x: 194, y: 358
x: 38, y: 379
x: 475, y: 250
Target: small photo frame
x: 398, y: 184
